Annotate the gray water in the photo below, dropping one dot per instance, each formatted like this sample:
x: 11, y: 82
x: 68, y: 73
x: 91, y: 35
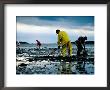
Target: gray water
x: 50, y: 67
x: 50, y: 46
x: 47, y: 49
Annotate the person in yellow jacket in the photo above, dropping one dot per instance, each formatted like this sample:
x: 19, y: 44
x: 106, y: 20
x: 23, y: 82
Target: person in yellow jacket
x: 64, y: 41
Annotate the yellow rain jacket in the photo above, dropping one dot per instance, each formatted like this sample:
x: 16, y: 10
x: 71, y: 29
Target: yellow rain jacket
x: 64, y: 41
x: 62, y: 38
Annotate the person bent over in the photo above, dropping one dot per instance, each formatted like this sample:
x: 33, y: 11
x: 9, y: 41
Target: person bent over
x: 64, y: 41
x: 38, y: 44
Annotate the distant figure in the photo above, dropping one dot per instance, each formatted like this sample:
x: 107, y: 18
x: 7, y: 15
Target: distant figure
x: 64, y: 41
x: 38, y: 44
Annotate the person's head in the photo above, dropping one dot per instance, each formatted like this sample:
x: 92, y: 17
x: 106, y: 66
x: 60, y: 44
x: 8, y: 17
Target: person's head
x: 57, y: 31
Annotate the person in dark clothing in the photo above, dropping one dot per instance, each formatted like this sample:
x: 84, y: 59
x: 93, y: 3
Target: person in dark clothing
x: 80, y: 43
x: 38, y: 44
x: 79, y: 47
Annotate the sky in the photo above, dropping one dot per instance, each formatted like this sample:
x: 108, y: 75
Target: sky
x: 43, y: 28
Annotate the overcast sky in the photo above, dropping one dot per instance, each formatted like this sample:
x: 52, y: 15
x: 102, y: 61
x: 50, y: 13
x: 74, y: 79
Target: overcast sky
x: 43, y: 28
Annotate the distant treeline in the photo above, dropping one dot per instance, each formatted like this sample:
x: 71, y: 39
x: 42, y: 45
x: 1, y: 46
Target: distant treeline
x: 87, y: 42
x: 22, y: 42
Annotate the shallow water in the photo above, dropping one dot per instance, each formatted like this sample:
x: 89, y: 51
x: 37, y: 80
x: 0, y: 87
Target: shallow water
x: 26, y: 64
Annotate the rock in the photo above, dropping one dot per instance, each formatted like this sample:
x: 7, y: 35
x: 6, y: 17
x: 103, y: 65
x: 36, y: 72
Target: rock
x: 23, y: 64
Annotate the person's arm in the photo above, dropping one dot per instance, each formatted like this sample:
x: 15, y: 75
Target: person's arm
x: 59, y: 38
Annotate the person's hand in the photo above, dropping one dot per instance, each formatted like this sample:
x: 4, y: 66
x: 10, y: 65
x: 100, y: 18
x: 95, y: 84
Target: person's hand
x: 58, y: 47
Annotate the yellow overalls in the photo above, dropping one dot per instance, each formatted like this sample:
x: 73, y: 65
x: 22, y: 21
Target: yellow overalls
x: 64, y: 41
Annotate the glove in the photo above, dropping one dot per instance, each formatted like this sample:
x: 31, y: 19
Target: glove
x: 58, y: 47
